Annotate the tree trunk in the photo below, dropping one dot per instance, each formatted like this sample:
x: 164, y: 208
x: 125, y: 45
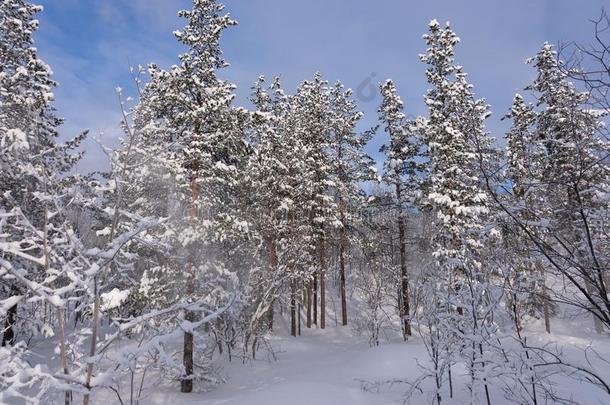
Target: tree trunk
x: 322, y: 283
x: 546, y: 300
x: 272, y: 258
x: 342, y: 246
x: 186, y: 384
x: 62, y: 347
x: 404, y: 276
x: 92, y: 347
x: 547, y: 314
x: 293, y: 309
x: 308, y: 303
x: 597, y: 323
x: 315, y: 299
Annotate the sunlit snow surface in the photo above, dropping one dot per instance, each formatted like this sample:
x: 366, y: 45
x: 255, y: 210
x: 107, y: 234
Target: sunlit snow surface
x: 336, y: 367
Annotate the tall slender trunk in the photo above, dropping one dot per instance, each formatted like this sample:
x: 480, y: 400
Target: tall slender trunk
x: 293, y: 309
x: 547, y: 315
x: 315, y: 299
x: 186, y: 384
x: 546, y: 301
x: 404, y: 276
x: 299, y: 318
x: 308, y: 303
x: 450, y: 381
x: 322, y: 282
x: 342, y: 247
x: 273, y: 261
x: 62, y: 348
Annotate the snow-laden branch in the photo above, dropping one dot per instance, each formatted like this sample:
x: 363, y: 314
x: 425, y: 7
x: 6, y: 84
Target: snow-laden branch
x: 185, y: 325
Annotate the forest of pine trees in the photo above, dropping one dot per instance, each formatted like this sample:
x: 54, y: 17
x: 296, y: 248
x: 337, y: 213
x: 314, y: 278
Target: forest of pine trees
x: 215, y: 222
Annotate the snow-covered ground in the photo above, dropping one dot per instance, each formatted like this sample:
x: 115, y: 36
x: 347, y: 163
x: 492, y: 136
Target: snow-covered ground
x: 335, y: 367
x: 320, y: 366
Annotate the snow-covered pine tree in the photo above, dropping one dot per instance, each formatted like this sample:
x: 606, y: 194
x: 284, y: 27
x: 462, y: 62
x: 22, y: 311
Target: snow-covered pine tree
x: 265, y: 170
x: 401, y: 173
x: 568, y: 175
x: 455, y: 306
x: 189, y: 109
x: 274, y: 169
x: 312, y: 113
x: 528, y: 293
x: 350, y: 167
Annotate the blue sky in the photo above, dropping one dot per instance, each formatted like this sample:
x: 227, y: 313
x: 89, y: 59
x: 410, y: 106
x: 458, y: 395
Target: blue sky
x: 90, y: 45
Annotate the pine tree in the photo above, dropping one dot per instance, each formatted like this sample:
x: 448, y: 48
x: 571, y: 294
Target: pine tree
x: 274, y: 168
x: 350, y: 166
x: 266, y: 171
x: 313, y: 114
x: 190, y: 108
x: 401, y: 172
x: 565, y: 150
x: 529, y: 292
x: 458, y: 148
